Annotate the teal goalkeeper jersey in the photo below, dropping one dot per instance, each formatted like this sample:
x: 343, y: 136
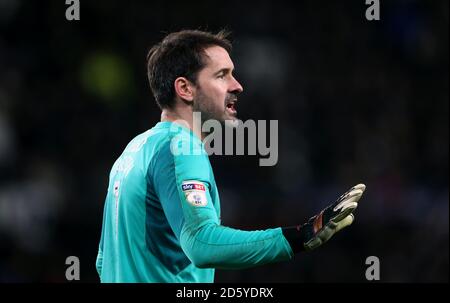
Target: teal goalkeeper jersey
x: 161, y: 219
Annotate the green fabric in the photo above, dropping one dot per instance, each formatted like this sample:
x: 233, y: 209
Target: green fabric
x: 152, y: 231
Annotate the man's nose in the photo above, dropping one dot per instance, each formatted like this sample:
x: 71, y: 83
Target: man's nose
x: 236, y: 87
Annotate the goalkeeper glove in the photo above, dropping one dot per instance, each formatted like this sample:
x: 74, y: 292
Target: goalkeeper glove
x: 320, y: 228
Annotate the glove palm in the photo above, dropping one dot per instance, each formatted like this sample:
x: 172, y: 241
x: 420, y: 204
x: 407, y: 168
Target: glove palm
x: 320, y: 228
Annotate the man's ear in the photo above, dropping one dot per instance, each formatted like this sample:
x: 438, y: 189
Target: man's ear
x: 184, y: 89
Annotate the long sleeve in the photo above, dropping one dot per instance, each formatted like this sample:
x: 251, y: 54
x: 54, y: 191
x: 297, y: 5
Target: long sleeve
x: 183, y: 183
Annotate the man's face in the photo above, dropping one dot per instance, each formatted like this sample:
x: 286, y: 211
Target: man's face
x: 217, y: 89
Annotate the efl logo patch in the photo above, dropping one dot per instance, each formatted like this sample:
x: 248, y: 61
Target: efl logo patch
x: 195, y: 193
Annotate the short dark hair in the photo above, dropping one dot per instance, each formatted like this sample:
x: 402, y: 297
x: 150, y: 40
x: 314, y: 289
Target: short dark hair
x: 179, y: 54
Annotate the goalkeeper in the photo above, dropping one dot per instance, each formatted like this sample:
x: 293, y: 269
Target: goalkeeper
x: 161, y: 219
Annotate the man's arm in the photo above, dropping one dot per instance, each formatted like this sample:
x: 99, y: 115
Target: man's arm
x: 194, y: 219
x: 196, y: 224
x: 250, y: 248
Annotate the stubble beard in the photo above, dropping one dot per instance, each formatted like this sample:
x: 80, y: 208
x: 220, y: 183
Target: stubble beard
x: 208, y: 109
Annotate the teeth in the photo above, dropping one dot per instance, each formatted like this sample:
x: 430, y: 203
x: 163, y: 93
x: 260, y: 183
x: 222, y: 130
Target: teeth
x: 231, y: 107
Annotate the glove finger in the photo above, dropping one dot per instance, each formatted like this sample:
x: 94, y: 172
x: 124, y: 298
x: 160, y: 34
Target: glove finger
x: 345, y: 207
x: 351, y: 200
x: 351, y: 192
x: 342, y: 213
x: 359, y: 186
x: 345, y: 222
x: 327, y: 232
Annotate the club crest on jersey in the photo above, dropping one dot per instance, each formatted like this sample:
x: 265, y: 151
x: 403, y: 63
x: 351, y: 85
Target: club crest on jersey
x: 195, y: 193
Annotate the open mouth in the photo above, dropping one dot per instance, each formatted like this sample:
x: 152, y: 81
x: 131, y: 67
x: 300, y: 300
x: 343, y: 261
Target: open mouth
x: 231, y: 107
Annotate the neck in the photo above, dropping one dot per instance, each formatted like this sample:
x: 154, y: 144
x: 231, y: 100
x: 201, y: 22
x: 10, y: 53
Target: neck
x: 184, y: 118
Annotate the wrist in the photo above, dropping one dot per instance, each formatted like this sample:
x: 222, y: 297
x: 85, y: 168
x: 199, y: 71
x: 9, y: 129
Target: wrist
x: 297, y: 236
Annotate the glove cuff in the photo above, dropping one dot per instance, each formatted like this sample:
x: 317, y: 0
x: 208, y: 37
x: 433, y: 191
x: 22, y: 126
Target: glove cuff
x: 298, y: 235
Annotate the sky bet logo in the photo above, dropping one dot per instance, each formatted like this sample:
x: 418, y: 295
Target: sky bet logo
x: 193, y: 186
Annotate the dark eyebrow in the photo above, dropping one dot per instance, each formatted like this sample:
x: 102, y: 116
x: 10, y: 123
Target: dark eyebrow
x: 223, y: 70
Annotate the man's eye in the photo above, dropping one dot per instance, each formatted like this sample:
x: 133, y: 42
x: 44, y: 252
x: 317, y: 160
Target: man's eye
x: 221, y: 76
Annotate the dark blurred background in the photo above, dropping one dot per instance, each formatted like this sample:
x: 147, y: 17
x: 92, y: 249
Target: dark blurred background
x: 356, y: 101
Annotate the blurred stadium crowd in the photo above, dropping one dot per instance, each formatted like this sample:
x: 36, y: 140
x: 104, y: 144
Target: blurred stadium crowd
x: 356, y: 101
